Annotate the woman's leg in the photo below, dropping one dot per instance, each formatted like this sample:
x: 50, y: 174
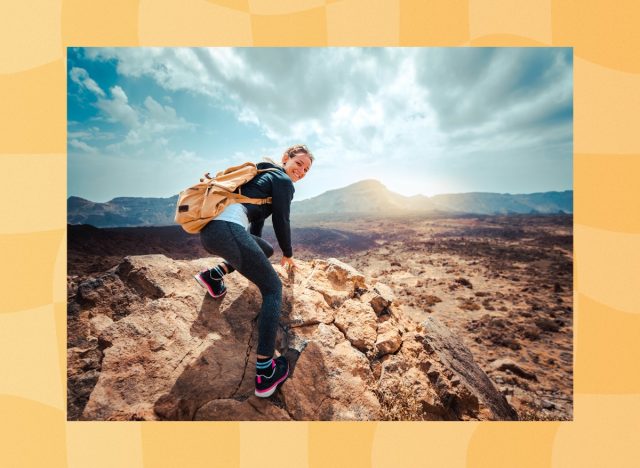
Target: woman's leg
x: 225, y: 267
x: 248, y: 255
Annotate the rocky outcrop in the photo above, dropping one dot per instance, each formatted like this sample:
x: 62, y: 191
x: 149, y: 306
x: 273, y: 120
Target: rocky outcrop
x: 146, y: 343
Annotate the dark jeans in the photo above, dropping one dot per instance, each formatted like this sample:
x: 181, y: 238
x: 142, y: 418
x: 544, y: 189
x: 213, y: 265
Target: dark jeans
x: 249, y: 255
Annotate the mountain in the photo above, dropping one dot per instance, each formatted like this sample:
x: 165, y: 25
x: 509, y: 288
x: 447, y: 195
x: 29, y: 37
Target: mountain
x: 506, y: 203
x: 122, y: 211
x: 371, y: 196
x: 367, y: 197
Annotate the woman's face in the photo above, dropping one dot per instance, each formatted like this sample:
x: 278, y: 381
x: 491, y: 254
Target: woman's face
x: 296, y: 167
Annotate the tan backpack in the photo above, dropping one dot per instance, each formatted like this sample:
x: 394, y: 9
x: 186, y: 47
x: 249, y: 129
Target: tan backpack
x: 205, y: 200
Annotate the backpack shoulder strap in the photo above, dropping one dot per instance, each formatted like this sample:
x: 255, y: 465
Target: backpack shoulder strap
x: 270, y: 169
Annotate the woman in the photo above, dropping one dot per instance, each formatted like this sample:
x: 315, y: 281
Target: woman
x: 226, y: 236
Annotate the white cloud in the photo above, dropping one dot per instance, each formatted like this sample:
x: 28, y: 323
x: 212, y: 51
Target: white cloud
x: 367, y: 100
x: 413, y: 111
x: 186, y: 157
x: 156, y: 120
x: 143, y: 125
x: 117, y: 109
x: 91, y: 134
x: 162, y: 115
x: 82, y: 78
x: 82, y: 146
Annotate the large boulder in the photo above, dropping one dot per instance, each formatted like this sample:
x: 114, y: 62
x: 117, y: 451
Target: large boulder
x: 147, y: 343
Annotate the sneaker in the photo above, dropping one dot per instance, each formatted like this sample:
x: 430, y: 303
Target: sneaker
x: 215, y: 286
x: 267, y: 385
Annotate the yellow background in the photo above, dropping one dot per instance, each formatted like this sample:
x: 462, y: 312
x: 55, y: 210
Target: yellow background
x: 605, y: 38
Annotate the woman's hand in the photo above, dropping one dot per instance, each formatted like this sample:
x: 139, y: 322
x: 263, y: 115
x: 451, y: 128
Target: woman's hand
x: 288, y: 263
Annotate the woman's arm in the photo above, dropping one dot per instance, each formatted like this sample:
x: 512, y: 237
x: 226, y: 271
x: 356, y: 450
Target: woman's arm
x: 255, y: 227
x: 281, y: 199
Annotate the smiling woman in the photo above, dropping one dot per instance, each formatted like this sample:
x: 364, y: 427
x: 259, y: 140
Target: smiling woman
x: 244, y: 250
x: 402, y: 134
x: 297, y: 162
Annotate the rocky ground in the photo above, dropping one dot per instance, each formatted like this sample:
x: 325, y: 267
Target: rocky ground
x: 146, y: 343
x: 502, y: 285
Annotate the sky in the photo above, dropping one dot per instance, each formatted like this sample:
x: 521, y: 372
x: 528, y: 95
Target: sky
x: 148, y: 122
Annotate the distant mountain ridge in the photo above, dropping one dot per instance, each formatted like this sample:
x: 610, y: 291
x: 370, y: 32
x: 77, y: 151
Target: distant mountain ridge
x: 122, y: 211
x: 365, y: 197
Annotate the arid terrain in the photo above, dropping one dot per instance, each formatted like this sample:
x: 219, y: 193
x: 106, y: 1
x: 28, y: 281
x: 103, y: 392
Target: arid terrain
x: 502, y: 284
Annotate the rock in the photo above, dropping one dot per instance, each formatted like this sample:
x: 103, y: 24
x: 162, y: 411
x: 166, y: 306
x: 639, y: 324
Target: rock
x: 546, y: 324
x: 341, y: 273
x: 148, y: 274
x: 507, y: 364
x: 389, y: 339
x: 381, y: 298
x: 358, y: 323
x: 251, y: 409
x: 546, y: 404
x: 464, y: 282
x: 99, y: 323
x: 406, y: 393
x: 494, y: 329
x: 531, y: 332
x: 308, y: 307
x: 106, y: 295
x: 335, y: 280
x: 430, y: 300
x: 469, y: 304
x: 146, y: 343
x: 88, y: 290
x: 82, y: 376
x: 456, y: 357
x: 331, y: 383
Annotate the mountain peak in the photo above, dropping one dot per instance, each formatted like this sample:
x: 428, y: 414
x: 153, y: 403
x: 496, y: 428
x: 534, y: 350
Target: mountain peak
x: 368, y: 183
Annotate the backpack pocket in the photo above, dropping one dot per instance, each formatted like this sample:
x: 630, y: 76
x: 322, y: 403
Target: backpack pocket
x: 189, y: 207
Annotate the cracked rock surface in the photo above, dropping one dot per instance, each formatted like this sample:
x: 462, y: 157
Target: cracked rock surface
x: 146, y: 343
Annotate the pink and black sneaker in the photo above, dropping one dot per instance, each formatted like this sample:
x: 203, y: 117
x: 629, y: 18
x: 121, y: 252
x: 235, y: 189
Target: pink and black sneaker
x: 212, y: 282
x: 270, y: 375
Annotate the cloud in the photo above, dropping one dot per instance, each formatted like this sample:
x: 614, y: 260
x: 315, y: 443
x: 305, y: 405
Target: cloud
x: 90, y: 134
x: 143, y: 123
x: 410, y: 109
x: 82, y: 78
x: 117, y: 109
x: 186, y: 157
x: 164, y: 116
x: 82, y: 146
x: 145, y: 127
x: 352, y: 103
x: 515, y: 93
x: 278, y: 85
x: 156, y: 120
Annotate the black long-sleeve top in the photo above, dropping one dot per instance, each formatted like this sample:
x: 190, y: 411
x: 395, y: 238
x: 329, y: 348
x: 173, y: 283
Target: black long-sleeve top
x: 278, y: 186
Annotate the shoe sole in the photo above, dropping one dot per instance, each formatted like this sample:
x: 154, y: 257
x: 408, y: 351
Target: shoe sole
x: 271, y: 390
x: 206, y: 286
